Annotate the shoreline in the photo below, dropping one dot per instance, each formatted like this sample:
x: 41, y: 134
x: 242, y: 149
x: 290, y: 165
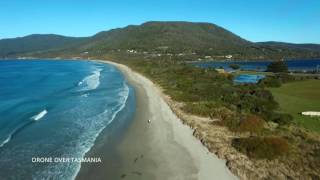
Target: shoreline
x: 217, y: 142
x: 164, y: 148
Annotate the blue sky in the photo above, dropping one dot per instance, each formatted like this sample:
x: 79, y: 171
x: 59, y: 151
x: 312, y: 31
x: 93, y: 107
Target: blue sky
x: 256, y: 20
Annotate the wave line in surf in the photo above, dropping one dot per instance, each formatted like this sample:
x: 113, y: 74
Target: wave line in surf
x: 19, y: 128
x: 5, y: 141
x: 39, y: 116
x: 124, y: 96
x: 91, y: 82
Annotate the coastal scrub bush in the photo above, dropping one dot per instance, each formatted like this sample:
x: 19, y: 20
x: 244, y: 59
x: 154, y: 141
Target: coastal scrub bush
x: 253, y: 100
x: 270, y: 81
x: 252, y: 124
x: 200, y: 108
x: 285, y: 77
x: 234, y: 66
x: 209, y: 109
x: 277, y: 67
x: 207, y: 93
x: 224, y: 114
x: 227, y: 118
x: 262, y: 147
x: 281, y: 118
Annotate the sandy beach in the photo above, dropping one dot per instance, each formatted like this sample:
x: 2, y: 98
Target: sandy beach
x: 162, y: 149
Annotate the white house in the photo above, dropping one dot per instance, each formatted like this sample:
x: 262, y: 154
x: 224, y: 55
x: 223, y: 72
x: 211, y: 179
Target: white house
x: 311, y: 113
x: 228, y: 56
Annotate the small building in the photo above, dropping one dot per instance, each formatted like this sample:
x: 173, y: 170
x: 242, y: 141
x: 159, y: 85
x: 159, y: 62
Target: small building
x: 132, y: 51
x: 229, y: 56
x: 311, y: 113
x: 221, y: 70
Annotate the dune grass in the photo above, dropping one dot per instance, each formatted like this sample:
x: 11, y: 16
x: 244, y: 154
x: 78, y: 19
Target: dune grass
x: 296, y: 97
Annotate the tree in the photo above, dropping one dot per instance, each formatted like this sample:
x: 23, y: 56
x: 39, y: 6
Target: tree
x: 234, y: 66
x: 277, y: 67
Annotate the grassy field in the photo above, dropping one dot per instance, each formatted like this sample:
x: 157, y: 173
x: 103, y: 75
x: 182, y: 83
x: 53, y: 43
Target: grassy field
x: 297, y: 97
x: 254, y: 72
x: 272, y: 74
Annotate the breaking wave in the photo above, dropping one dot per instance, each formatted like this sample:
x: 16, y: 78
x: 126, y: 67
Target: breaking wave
x: 123, y: 98
x: 91, y: 82
x: 81, y: 99
x: 39, y: 116
x: 23, y: 125
x: 5, y: 141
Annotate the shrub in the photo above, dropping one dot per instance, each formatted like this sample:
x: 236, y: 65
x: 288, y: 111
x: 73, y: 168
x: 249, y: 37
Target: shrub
x: 228, y: 118
x: 200, y: 108
x: 277, y: 67
x: 270, y: 82
x: 262, y: 147
x: 208, y: 109
x: 234, y: 66
x: 281, y: 118
x: 285, y: 77
x: 206, y: 92
x: 252, y: 124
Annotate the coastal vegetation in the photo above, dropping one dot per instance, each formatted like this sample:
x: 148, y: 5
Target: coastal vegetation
x: 262, y: 147
x: 234, y: 66
x: 298, y: 96
x: 262, y: 119
x: 277, y: 67
x: 205, y: 90
x: 36, y: 43
x: 264, y: 131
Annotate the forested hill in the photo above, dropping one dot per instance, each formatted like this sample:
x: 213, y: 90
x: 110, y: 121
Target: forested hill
x: 170, y: 36
x: 309, y: 47
x: 36, y: 43
x: 200, y: 39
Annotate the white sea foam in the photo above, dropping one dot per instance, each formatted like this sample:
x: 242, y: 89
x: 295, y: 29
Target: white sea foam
x: 39, y: 116
x: 85, y: 95
x: 124, y: 95
x: 5, y: 141
x: 34, y: 118
x: 91, y: 82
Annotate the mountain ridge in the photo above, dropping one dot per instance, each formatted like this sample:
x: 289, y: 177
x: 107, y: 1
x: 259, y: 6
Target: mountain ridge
x: 174, y: 37
x: 308, y: 46
x: 35, y: 43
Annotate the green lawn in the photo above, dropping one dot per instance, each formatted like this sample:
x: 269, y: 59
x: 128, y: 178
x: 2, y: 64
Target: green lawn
x: 297, y: 97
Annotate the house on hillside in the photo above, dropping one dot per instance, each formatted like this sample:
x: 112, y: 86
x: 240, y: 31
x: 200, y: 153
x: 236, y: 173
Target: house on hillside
x: 132, y: 51
x: 228, y: 56
x: 221, y: 70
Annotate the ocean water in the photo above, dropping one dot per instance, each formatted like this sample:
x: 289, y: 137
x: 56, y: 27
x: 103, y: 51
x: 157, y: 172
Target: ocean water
x: 55, y: 109
x: 293, y: 65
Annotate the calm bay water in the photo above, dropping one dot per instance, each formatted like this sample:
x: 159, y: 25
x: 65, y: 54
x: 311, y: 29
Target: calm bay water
x: 55, y: 109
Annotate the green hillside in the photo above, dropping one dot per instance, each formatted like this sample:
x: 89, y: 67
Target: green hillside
x: 36, y: 43
x: 308, y: 47
x: 187, y: 38
x: 173, y: 36
x: 204, y: 39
